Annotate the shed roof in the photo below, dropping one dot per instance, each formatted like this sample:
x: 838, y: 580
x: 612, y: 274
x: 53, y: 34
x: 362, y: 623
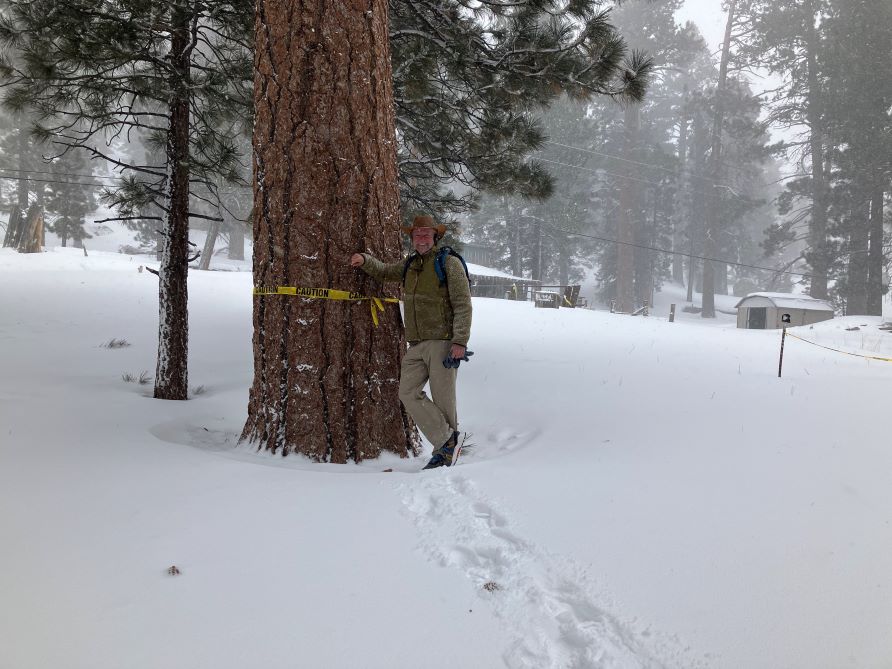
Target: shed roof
x: 789, y: 301
x: 480, y: 270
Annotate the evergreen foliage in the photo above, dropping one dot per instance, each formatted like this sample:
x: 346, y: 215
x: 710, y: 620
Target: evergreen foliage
x: 96, y: 72
x: 70, y: 196
x: 664, y: 165
x: 837, y: 98
x: 468, y: 78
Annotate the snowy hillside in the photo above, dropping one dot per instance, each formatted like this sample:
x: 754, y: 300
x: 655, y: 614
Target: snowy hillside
x: 641, y: 494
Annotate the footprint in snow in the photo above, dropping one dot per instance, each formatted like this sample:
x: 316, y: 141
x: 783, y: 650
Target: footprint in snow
x: 544, y: 601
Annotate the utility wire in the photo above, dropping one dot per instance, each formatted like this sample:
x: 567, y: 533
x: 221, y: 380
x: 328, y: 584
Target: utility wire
x: 55, y: 181
x: 645, y: 181
x: 678, y: 253
x: 58, y: 174
x: 98, y: 185
x: 634, y: 162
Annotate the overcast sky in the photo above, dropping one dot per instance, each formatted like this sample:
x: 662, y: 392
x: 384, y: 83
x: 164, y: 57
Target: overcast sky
x: 708, y: 16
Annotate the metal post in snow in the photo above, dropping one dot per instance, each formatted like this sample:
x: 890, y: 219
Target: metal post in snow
x: 671, y: 313
x: 785, y: 319
x: 780, y: 365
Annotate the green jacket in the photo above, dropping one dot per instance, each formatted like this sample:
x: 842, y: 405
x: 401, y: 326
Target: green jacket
x: 431, y: 311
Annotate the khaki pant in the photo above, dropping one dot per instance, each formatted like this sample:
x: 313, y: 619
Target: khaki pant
x: 435, y: 415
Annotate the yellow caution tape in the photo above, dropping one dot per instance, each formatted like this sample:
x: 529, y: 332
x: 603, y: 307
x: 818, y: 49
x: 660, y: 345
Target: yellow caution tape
x: 830, y: 348
x: 569, y: 304
x: 376, y: 303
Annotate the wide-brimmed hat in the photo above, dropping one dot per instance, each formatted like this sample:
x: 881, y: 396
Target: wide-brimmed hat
x: 425, y: 221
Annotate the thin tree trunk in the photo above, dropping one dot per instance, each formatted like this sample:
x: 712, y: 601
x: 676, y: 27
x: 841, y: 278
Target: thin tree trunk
x: 171, y: 372
x: 696, y: 221
x: 514, y: 244
x: 677, y: 236
x: 209, y: 243
x: 875, y: 256
x: 236, y: 240
x: 564, y: 260
x: 537, y: 250
x: 625, y: 257
x: 715, y: 159
x: 325, y: 186
x: 856, y: 294
x: 22, y: 186
x: 721, y: 278
x: 817, y: 232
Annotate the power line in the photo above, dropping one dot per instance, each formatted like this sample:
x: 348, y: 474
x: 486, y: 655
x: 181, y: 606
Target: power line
x: 646, y: 181
x: 55, y: 181
x: 679, y: 253
x: 224, y: 190
x: 628, y: 160
x: 58, y: 174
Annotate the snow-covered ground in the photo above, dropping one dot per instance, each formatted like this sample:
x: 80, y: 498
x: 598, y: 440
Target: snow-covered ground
x: 641, y: 494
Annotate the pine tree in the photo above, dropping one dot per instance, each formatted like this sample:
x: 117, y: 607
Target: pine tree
x: 326, y: 379
x: 859, y: 117
x: 175, y: 72
x: 467, y: 78
x: 787, y: 39
x: 71, y: 195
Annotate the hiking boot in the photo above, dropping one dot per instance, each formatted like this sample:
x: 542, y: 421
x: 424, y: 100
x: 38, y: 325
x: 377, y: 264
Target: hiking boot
x: 443, y: 456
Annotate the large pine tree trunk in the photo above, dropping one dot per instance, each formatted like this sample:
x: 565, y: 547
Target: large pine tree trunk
x: 171, y: 372
x: 325, y: 185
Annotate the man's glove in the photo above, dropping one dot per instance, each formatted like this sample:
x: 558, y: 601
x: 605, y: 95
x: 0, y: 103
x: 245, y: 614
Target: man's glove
x: 449, y: 362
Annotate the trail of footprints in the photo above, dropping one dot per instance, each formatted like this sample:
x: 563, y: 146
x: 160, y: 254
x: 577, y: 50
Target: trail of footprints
x: 543, y: 601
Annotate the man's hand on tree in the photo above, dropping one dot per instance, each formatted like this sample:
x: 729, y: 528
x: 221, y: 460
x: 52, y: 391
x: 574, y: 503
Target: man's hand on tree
x: 357, y: 260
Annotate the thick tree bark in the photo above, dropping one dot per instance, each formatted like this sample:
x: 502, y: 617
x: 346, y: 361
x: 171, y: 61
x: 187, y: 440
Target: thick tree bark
x: 171, y: 372
x: 325, y: 186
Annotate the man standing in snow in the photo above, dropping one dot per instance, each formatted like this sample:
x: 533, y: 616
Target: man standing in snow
x: 437, y: 301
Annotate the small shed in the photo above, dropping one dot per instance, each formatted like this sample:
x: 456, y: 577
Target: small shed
x: 761, y: 311
x: 489, y: 282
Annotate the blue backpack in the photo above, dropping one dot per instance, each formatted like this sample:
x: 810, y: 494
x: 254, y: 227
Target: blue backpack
x: 439, y: 264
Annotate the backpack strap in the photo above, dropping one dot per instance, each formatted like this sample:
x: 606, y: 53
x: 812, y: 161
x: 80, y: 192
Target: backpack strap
x: 440, y: 264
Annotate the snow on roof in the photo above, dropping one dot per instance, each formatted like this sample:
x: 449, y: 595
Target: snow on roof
x: 790, y: 301
x: 480, y: 270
